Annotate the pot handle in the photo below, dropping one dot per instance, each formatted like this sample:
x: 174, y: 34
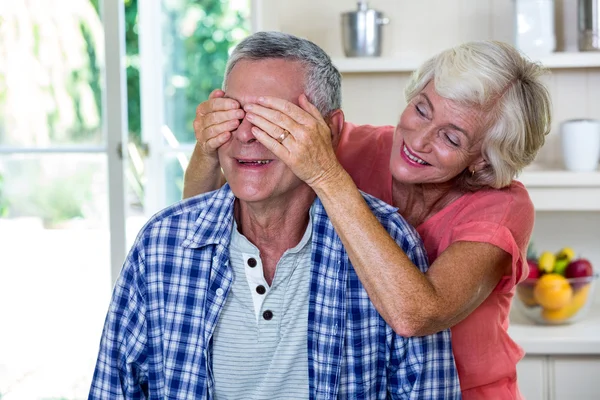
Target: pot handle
x: 382, y: 21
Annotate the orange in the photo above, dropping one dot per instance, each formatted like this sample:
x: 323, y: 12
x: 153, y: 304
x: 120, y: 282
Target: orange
x: 569, y: 310
x: 552, y: 291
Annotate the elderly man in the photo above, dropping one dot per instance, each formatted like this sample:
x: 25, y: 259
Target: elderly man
x: 247, y: 292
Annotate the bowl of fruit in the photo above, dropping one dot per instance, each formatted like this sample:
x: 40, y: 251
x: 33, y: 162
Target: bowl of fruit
x: 558, y: 290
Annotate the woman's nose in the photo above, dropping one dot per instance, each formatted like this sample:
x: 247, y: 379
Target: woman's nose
x: 424, y: 137
x: 244, y: 132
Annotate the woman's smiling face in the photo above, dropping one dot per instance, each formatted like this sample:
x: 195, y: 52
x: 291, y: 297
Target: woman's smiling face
x: 436, y: 139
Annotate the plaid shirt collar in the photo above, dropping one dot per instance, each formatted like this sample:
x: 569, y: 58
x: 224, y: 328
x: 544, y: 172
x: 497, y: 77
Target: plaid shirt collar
x: 214, y: 222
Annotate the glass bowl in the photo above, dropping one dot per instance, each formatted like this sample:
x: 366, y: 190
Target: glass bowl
x: 555, y: 300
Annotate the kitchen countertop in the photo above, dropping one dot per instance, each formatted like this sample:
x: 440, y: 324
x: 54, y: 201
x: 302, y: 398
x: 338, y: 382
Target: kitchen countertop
x: 582, y: 337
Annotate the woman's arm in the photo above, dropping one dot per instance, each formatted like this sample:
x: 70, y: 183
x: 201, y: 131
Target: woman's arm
x: 413, y: 303
x: 215, y: 119
x: 203, y: 174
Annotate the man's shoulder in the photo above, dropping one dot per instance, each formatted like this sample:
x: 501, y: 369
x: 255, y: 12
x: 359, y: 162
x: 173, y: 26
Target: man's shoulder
x: 186, y: 213
x: 190, y: 206
x: 391, y: 220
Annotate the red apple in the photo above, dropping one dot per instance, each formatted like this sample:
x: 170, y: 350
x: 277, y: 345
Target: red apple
x: 534, y: 270
x: 579, y: 268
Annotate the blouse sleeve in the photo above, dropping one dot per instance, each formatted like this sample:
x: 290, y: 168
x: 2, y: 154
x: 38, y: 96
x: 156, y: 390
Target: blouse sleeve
x: 503, y: 218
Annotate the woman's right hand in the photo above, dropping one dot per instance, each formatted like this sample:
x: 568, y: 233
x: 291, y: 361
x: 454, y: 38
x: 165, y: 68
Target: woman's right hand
x: 215, y: 119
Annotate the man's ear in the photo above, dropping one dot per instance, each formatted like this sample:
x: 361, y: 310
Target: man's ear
x: 335, y: 121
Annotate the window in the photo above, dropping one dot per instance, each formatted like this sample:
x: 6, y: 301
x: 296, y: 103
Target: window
x: 71, y: 197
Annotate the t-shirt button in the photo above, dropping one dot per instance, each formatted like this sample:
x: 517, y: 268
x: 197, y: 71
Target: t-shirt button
x: 220, y: 292
x: 260, y: 289
x: 251, y: 262
x: 268, y: 315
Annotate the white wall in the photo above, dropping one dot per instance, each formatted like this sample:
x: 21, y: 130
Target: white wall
x: 424, y: 27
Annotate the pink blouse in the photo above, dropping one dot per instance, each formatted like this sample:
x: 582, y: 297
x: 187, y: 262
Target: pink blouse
x: 485, y: 355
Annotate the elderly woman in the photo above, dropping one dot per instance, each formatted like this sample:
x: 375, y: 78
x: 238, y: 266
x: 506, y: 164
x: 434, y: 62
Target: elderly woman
x: 477, y: 114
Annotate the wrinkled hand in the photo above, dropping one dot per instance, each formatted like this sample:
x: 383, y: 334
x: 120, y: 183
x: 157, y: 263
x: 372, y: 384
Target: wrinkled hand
x: 215, y: 119
x: 307, y: 150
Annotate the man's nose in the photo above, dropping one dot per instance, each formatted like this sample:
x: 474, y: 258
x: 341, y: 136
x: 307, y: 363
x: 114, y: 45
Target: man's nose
x: 244, y: 132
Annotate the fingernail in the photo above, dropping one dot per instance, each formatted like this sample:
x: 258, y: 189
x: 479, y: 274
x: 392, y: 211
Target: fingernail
x: 261, y: 99
x: 248, y: 107
x: 249, y: 117
x: 240, y: 114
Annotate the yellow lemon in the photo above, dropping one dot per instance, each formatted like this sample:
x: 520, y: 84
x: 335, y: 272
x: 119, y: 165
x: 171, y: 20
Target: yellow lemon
x: 569, y: 310
x: 566, y: 253
x: 546, y: 261
x: 552, y: 291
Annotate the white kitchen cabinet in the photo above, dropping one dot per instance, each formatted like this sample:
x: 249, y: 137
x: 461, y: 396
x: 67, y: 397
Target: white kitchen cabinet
x: 561, y: 362
x: 575, y: 377
x: 532, y: 378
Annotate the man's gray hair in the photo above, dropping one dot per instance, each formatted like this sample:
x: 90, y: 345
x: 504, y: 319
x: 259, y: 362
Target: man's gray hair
x: 323, y: 82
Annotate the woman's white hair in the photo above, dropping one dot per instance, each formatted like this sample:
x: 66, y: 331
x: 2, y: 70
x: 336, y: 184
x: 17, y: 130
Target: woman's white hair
x: 498, y: 79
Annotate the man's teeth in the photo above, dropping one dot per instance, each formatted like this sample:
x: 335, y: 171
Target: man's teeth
x: 413, y: 158
x: 255, y: 162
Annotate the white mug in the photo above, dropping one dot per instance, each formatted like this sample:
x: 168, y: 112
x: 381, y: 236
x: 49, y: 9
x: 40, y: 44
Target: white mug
x: 580, y: 144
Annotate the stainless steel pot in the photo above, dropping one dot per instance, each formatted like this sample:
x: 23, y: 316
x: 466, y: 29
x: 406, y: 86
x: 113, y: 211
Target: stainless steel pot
x: 361, y: 31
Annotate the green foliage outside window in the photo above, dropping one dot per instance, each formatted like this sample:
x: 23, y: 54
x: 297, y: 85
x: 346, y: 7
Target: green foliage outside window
x: 66, y: 106
x: 198, y: 36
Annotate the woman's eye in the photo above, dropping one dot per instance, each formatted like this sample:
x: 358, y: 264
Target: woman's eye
x: 453, y: 141
x: 420, y: 109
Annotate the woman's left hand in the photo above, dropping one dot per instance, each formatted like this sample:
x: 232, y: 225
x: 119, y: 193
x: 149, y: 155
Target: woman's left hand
x: 297, y: 135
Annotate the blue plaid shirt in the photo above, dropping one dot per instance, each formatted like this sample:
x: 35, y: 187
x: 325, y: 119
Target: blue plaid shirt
x: 156, y: 341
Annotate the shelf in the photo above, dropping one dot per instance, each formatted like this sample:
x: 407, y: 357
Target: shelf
x: 410, y: 63
x: 536, y: 178
x: 559, y: 190
x: 376, y: 64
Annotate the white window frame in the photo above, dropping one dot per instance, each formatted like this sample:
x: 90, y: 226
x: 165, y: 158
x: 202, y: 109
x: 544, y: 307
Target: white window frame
x: 114, y: 129
x: 115, y: 126
x: 152, y: 97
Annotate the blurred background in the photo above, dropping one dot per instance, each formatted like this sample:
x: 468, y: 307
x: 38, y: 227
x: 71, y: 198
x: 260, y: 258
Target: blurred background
x: 97, y: 101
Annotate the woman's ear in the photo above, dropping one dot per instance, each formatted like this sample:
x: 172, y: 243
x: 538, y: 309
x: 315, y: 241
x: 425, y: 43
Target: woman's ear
x: 335, y: 121
x: 478, y: 165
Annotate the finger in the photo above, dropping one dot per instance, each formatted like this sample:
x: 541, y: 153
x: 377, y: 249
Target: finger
x: 272, y: 129
x: 216, y: 104
x: 214, y: 143
x: 218, y: 117
x: 216, y: 93
x: 285, y: 107
x: 309, y: 107
x: 204, y: 133
x: 215, y: 130
x: 271, y: 144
